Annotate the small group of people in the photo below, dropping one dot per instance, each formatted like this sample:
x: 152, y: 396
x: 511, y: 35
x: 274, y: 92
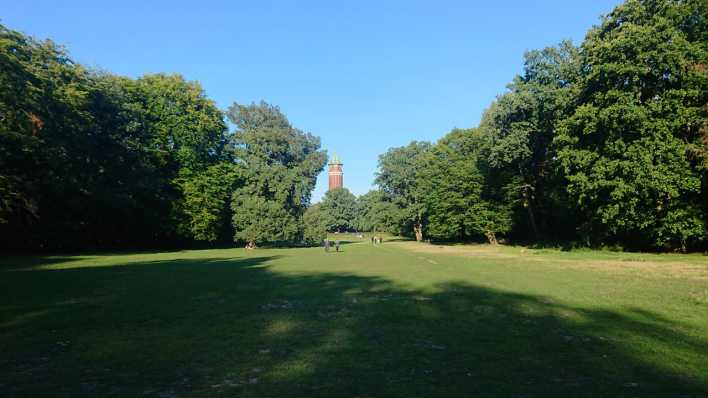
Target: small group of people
x: 376, y: 240
x: 250, y: 245
x: 327, y: 244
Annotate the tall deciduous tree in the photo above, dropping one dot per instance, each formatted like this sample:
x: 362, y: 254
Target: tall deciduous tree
x: 453, y: 187
x: 281, y: 164
x: 519, y: 128
x: 629, y: 148
x: 398, y: 177
x: 187, y: 138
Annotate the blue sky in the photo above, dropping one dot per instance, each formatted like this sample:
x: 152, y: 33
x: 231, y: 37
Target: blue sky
x: 364, y: 75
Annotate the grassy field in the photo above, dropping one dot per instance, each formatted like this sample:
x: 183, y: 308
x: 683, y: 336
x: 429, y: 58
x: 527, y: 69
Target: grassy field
x: 397, y: 320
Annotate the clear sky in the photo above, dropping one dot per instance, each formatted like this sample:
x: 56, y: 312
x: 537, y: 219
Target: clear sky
x: 362, y: 75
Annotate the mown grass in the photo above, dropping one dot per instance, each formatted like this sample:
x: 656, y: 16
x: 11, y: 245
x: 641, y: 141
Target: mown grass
x: 400, y: 319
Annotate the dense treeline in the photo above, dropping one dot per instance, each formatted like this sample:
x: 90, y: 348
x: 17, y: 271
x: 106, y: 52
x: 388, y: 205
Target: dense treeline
x: 89, y: 159
x: 601, y: 144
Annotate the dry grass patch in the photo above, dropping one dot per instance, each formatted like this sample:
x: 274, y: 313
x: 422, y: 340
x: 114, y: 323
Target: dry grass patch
x: 648, y: 265
x: 477, y: 250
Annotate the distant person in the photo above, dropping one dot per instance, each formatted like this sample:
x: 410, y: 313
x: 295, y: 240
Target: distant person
x: 336, y: 244
x: 372, y: 240
x: 326, y: 245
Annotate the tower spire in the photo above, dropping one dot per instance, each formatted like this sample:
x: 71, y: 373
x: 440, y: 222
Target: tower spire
x: 335, y: 159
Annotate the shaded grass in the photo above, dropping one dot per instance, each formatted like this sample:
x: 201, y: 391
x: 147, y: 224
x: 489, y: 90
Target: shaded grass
x: 369, y: 321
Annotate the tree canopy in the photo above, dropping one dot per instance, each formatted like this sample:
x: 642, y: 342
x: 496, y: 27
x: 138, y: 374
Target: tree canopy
x: 398, y: 178
x: 629, y: 146
x: 281, y: 164
x: 339, y: 210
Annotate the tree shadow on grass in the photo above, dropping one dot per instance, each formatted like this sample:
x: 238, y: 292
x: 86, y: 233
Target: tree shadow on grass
x: 225, y: 326
x: 14, y: 263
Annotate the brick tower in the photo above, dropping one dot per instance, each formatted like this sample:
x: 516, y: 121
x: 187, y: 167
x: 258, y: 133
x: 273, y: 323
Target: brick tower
x: 336, y: 177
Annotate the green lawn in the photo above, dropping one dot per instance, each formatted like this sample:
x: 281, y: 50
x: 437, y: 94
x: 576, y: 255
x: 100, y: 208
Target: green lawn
x: 401, y: 319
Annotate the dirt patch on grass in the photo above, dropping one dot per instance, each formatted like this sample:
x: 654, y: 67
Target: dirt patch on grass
x: 622, y: 264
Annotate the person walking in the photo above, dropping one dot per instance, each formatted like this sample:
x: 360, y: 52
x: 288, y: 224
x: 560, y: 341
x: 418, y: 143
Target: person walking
x: 326, y: 245
x: 336, y: 244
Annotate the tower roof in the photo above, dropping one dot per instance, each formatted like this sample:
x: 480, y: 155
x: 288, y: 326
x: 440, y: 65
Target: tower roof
x: 335, y: 159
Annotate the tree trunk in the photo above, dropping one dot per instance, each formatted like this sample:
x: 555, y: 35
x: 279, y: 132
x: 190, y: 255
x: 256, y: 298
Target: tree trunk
x: 418, y: 228
x: 532, y: 219
x: 529, y: 209
x: 491, y: 237
x: 527, y: 203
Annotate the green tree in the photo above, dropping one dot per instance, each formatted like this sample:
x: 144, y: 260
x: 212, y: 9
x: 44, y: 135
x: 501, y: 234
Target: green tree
x: 315, y: 230
x: 205, y: 204
x: 88, y: 159
x: 453, y: 187
x: 281, y: 165
x: 339, y: 210
x: 629, y: 149
x: 20, y: 100
x: 184, y: 125
x: 397, y: 177
x: 72, y: 170
x: 376, y: 212
x: 259, y: 220
x: 519, y: 128
x: 186, y: 137
x: 45, y: 107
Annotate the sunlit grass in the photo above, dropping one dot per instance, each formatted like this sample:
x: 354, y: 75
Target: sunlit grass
x: 397, y: 319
